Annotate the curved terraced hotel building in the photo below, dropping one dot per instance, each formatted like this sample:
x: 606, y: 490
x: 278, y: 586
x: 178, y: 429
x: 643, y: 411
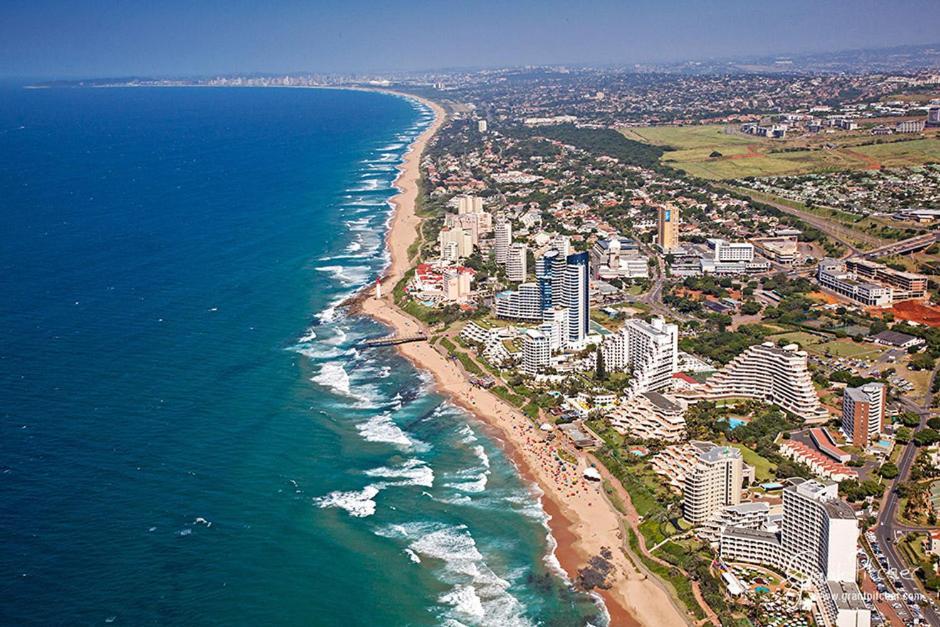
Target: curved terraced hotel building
x: 768, y: 373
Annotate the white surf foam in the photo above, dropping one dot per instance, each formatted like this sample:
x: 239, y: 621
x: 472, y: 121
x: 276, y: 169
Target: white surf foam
x: 381, y: 428
x: 481, y: 455
x: 348, y: 275
x: 467, y: 436
x: 479, y: 596
x: 358, y: 503
x: 473, y: 484
x: 412, y: 472
x: 332, y: 375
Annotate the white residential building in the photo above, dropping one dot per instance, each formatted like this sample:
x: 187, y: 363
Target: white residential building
x: 649, y: 349
x: 713, y: 483
x: 650, y: 416
x: 469, y: 204
x: 476, y: 223
x: 516, y: 269
x: 503, y: 239
x: 818, y: 535
x: 536, y: 352
x: 461, y: 237
x: 523, y: 303
x: 458, y: 284
x: 563, y: 245
x: 742, y: 516
x: 576, y: 296
x: 494, y: 350
x: 708, y: 475
x: 555, y: 327
x: 768, y: 373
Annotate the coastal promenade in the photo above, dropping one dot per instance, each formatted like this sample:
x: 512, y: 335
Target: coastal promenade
x: 583, y: 521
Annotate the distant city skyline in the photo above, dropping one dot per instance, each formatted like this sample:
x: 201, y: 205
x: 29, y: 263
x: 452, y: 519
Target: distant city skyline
x: 58, y: 39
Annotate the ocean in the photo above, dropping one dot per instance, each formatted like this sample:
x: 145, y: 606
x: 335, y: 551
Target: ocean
x: 189, y: 432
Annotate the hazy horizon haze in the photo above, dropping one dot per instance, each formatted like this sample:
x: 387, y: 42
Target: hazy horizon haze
x: 58, y: 39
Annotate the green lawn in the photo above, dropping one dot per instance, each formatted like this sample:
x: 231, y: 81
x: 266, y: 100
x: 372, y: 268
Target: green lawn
x: 763, y: 468
x: 804, y: 339
x: 693, y: 146
x: 847, y: 348
x: 690, y: 137
x: 908, y: 153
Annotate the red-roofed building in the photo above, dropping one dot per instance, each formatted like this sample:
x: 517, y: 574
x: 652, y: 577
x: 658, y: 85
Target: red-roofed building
x: 820, y: 464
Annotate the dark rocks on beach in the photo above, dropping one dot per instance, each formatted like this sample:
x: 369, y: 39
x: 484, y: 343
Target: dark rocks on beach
x: 595, y: 574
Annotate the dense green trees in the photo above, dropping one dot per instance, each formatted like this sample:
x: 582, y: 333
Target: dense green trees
x: 597, y: 141
x: 888, y: 470
x: 723, y: 346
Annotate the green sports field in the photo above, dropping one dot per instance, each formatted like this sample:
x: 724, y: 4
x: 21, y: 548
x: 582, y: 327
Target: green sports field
x: 744, y: 155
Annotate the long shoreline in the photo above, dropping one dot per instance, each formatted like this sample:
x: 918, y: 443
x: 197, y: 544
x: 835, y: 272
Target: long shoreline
x: 582, y: 521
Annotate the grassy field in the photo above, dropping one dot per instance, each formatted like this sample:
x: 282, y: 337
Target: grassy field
x: 847, y: 348
x: 745, y: 155
x: 804, y: 339
x: 763, y: 468
x: 903, y: 153
x: 688, y: 137
x: 843, y: 347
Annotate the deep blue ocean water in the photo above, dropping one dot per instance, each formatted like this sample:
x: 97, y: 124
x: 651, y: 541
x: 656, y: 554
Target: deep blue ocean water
x: 187, y: 433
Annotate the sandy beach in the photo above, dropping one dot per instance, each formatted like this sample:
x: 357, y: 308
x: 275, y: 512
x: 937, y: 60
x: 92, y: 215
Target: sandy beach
x: 583, y: 522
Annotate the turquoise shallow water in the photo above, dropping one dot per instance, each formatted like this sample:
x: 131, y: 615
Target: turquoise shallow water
x: 188, y: 433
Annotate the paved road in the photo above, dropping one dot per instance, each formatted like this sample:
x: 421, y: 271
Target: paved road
x: 888, y: 529
x: 829, y: 227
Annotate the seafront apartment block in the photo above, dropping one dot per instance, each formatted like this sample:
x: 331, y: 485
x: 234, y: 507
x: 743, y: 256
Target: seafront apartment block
x: 650, y: 350
x: 817, y: 538
x: 710, y: 476
x: 818, y: 535
x: 768, y: 373
x: 650, y: 416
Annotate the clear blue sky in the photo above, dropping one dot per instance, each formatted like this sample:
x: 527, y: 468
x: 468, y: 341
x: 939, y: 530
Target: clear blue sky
x: 74, y: 38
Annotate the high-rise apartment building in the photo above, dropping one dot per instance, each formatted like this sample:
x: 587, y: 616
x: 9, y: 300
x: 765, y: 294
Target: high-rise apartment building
x: 576, y: 295
x: 818, y: 535
x: 863, y: 413
x: 650, y: 350
x: 461, y: 237
x: 667, y: 231
x: 562, y: 244
x: 546, y: 268
x: 555, y: 326
x: 520, y: 304
x: 503, y: 239
x: 650, y: 416
x: 536, y: 352
x: 819, y: 530
x: 516, y: 269
x: 714, y: 481
x: 469, y: 204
